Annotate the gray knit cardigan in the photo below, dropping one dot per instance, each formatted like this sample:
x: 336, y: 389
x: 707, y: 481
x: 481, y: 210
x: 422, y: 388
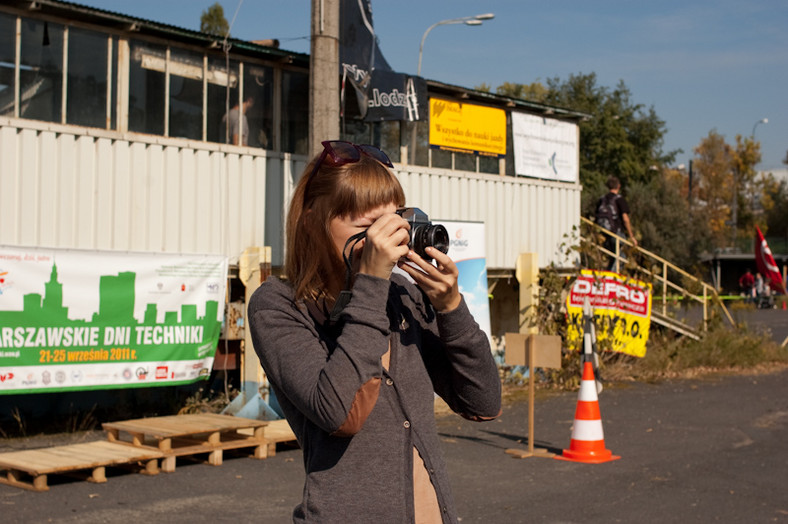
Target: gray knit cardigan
x: 356, y: 422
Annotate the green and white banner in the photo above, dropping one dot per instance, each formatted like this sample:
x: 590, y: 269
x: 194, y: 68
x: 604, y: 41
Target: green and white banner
x: 77, y: 320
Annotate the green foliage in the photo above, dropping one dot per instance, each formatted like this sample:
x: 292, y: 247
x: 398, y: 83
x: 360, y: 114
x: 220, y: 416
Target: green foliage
x: 621, y: 138
x: 213, y: 22
x: 535, y: 91
x: 666, y: 223
x: 777, y: 211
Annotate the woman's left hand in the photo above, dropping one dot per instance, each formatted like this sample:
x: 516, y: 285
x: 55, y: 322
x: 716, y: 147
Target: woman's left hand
x: 438, y: 282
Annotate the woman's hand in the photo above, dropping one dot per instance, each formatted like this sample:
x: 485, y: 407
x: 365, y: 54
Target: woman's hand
x: 386, y: 242
x: 438, y: 283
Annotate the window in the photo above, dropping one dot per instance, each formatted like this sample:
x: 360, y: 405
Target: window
x: 86, y: 94
x: 221, y: 83
x: 465, y: 162
x: 488, y: 164
x: 41, y: 71
x: 146, y: 88
x: 186, y: 74
x: 7, y: 63
x: 295, y: 112
x: 388, y: 138
x: 259, y: 85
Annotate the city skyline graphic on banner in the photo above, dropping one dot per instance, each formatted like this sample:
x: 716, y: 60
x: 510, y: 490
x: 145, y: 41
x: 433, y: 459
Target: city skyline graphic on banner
x: 113, y: 323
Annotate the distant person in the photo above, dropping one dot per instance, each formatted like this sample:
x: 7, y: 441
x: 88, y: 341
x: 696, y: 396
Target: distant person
x: 747, y: 284
x: 612, y: 213
x: 758, y: 284
x: 231, y: 119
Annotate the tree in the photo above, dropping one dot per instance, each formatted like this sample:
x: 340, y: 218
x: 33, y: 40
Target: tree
x: 775, y: 204
x: 665, y: 221
x: 621, y: 138
x: 535, y: 91
x: 727, y: 187
x: 213, y: 22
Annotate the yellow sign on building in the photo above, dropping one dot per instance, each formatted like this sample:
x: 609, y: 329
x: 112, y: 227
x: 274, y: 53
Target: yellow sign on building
x: 467, y: 127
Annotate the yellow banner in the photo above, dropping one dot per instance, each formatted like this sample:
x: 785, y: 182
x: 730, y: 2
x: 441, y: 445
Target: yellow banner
x: 621, y: 306
x: 467, y: 127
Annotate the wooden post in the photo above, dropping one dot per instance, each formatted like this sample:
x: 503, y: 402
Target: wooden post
x: 538, y: 351
x: 527, y: 273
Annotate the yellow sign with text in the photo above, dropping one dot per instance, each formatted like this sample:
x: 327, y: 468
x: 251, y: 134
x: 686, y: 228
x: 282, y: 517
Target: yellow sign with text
x: 621, y: 306
x: 467, y: 127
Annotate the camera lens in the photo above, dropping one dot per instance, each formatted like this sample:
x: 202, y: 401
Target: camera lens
x: 430, y: 235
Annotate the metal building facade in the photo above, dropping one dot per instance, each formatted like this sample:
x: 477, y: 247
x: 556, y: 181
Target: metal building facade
x: 70, y: 187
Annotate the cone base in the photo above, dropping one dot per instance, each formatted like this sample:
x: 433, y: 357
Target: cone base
x: 588, y: 457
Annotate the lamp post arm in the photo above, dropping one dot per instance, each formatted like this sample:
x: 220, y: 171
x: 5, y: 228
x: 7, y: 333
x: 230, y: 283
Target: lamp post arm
x: 424, y: 37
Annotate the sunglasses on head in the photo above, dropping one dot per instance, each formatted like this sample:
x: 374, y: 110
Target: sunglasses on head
x: 341, y: 152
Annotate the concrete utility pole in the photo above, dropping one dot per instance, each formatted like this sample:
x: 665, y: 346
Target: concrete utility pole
x: 324, y: 74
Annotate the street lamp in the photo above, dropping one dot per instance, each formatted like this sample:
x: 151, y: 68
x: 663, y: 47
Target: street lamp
x: 761, y: 121
x: 468, y: 20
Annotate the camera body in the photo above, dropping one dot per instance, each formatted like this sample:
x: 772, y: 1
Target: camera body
x: 424, y: 233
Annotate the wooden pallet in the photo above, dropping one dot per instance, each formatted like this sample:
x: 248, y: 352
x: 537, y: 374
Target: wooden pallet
x: 28, y: 469
x: 275, y: 432
x: 188, y: 435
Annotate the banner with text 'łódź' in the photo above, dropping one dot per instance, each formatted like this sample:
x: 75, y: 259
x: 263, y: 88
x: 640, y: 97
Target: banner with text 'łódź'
x: 81, y: 320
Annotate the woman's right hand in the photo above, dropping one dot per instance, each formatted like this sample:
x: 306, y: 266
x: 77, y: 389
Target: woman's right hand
x: 386, y: 242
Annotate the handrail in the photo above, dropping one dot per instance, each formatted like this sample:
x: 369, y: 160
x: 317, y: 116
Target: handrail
x: 708, y: 290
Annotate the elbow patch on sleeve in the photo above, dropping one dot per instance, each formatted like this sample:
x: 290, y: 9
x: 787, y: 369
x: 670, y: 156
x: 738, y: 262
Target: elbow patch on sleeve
x: 363, y: 402
x: 480, y: 418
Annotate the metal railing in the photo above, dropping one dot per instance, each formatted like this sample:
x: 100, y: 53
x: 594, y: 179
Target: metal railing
x: 660, y: 272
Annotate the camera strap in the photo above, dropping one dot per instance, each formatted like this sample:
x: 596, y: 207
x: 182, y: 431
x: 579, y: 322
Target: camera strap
x: 345, y: 295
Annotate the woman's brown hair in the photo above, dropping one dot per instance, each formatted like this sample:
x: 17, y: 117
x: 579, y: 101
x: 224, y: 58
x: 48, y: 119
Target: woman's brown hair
x: 312, y: 264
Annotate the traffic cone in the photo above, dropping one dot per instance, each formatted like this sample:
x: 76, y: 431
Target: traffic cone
x: 588, y: 440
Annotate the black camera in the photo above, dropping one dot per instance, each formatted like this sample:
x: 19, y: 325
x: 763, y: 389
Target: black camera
x: 424, y: 233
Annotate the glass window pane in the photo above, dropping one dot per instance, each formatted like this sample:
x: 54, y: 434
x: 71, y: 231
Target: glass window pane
x: 86, y: 93
x: 465, y: 162
x: 356, y: 131
x: 259, y: 85
x: 295, y: 112
x: 218, y: 93
x: 114, y: 83
x: 7, y: 63
x: 440, y: 158
x: 488, y: 164
x: 41, y: 71
x: 388, y: 138
x: 422, y: 143
x: 146, y: 88
x: 185, y: 94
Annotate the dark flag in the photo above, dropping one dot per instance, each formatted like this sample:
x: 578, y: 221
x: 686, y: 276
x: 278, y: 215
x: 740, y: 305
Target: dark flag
x: 371, y: 90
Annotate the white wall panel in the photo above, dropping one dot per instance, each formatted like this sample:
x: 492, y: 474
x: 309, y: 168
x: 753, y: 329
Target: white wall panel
x: 520, y: 214
x: 69, y: 187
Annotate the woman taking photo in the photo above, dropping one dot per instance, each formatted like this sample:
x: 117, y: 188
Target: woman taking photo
x: 355, y: 353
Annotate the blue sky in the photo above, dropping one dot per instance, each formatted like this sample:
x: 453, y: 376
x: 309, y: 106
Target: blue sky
x: 702, y: 65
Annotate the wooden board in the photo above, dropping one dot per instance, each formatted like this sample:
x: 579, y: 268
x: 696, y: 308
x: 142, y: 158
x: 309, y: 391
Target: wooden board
x: 29, y: 468
x: 193, y: 434
x: 276, y: 431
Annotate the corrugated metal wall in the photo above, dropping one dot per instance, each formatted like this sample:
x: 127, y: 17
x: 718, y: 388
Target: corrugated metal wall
x: 520, y: 214
x: 68, y: 187
x: 88, y: 189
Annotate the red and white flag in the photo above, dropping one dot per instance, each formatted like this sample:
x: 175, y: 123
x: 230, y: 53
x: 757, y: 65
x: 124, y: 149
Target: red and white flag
x: 766, y: 264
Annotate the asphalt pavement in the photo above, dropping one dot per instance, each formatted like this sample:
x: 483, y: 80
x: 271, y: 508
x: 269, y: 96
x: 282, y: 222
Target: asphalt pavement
x: 704, y: 450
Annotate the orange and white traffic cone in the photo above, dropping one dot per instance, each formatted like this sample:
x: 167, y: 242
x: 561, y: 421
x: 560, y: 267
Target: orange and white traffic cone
x: 588, y: 440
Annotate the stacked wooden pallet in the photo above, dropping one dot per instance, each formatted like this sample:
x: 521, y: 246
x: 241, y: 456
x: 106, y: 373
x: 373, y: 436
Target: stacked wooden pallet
x: 142, y: 443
